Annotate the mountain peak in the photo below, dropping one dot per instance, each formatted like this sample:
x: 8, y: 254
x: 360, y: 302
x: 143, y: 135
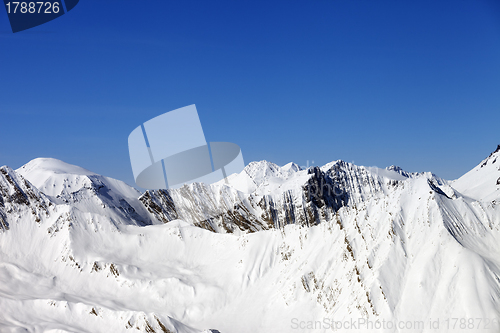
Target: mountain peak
x: 496, y: 151
x: 262, y: 165
x: 261, y: 170
x: 54, y: 165
x: 481, y: 183
x: 291, y: 167
x: 491, y: 158
x: 399, y: 170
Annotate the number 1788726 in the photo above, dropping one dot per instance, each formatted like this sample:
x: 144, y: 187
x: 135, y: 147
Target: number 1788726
x: 33, y: 7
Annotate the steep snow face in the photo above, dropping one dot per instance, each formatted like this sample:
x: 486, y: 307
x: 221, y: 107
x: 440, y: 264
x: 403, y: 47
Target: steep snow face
x: 334, y: 243
x: 482, y: 182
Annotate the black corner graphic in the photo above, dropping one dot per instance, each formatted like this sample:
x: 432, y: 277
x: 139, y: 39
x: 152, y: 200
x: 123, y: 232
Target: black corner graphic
x: 28, y: 14
x: 70, y: 4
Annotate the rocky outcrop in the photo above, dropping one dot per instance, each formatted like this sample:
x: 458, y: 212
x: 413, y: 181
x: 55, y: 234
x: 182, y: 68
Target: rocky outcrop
x: 17, y: 196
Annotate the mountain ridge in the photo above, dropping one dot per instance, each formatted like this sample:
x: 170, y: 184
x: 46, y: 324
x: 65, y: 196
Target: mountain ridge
x: 339, y: 241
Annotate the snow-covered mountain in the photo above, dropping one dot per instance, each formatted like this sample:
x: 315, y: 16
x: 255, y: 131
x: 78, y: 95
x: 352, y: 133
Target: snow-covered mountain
x: 483, y: 182
x: 276, y: 249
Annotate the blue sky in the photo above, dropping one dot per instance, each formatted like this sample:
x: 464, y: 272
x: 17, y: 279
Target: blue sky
x: 411, y: 83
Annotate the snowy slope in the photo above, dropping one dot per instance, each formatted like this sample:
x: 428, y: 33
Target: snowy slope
x: 279, y: 249
x: 482, y: 182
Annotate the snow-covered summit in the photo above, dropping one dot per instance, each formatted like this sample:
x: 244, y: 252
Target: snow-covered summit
x: 262, y: 171
x: 52, y: 165
x: 399, y: 170
x: 57, y: 178
x: 482, y: 182
x: 291, y: 168
x: 85, y: 190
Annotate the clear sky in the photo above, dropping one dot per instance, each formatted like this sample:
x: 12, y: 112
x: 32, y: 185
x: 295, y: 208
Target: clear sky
x: 411, y: 83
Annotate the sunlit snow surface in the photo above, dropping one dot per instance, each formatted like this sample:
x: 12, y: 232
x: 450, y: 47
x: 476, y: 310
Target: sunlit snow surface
x: 80, y: 253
